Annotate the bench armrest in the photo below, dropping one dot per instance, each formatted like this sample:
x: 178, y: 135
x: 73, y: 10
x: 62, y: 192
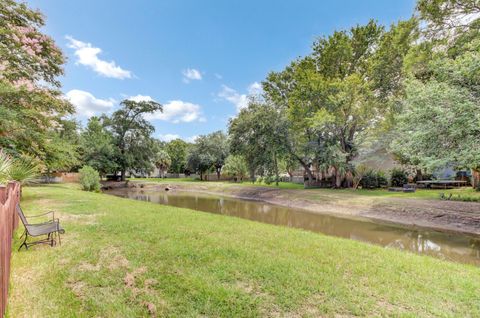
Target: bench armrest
x: 43, y: 214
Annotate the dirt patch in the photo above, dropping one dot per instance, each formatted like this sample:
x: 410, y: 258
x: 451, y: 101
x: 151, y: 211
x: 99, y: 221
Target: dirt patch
x: 450, y: 216
x: 87, y: 267
x: 83, y: 219
x: 78, y: 288
x: 131, y: 282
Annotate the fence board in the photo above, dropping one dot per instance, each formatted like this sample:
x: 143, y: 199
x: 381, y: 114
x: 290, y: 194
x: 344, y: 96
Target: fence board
x: 9, y: 197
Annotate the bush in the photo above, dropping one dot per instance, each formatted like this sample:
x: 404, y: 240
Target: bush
x: 269, y: 180
x: 398, y: 177
x: 89, y: 179
x: 373, y: 180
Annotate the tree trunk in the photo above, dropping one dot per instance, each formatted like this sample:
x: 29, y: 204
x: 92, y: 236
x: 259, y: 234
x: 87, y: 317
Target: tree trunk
x: 419, y: 176
x: 122, y: 175
x: 338, y: 178
x: 218, y: 173
x: 476, y: 178
x: 276, y: 169
x: 201, y: 176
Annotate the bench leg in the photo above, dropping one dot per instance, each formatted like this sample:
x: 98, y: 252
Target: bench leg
x: 24, y: 241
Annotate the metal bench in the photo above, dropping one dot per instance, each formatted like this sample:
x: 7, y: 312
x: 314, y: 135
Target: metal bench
x: 50, y: 228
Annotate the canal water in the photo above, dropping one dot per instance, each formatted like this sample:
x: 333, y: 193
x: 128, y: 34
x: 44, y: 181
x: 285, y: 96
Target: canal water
x: 453, y: 247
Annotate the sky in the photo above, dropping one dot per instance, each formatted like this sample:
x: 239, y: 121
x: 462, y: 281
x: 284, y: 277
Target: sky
x: 199, y: 59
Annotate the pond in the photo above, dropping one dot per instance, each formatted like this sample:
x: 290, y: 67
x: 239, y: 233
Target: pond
x: 448, y: 246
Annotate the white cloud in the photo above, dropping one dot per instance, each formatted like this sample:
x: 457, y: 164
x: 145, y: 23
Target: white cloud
x: 175, y: 111
x: 191, y: 74
x: 88, y: 55
x: 141, y: 98
x: 239, y: 100
x: 168, y: 137
x: 255, y: 89
x: 88, y: 105
x: 218, y: 76
x: 229, y: 94
x: 191, y: 139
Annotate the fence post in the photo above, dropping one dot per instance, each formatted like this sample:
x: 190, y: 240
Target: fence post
x: 3, y: 249
x: 13, y: 191
x: 3, y: 194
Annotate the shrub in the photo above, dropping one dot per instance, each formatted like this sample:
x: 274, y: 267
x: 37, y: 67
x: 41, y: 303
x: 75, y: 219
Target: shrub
x: 24, y: 170
x: 89, y: 179
x: 236, y: 167
x: 269, y: 180
x: 373, y: 179
x: 398, y: 177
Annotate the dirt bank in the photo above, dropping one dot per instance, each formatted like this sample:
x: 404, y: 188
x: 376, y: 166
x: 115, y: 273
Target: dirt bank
x: 452, y: 216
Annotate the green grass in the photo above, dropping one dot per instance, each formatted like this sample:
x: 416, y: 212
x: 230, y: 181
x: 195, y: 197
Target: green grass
x: 468, y: 193
x: 121, y: 257
x: 281, y: 185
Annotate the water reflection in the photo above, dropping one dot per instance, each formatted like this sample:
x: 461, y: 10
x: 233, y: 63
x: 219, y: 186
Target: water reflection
x: 454, y: 247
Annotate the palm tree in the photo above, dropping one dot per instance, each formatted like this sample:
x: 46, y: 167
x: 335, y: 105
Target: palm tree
x: 162, y: 162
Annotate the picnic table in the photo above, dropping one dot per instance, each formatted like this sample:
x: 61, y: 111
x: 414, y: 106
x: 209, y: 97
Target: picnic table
x: 445, y: 183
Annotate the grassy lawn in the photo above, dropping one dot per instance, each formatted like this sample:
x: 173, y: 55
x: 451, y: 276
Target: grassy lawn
x: 125, y: 258
x: 419, y: 194
x: 281, y: 185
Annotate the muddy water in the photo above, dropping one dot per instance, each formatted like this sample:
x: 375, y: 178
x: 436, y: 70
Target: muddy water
x: 453, y: 247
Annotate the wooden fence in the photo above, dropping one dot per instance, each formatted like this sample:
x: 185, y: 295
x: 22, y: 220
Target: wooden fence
x: 9, y: 197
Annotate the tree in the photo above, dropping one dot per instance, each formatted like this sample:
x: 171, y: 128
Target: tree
x: 177, y: 150
x: 448, y: 18
x: 162, y: 162
x: 339, y: 93
x: 31, y: 104
x: 208, y: 152
x: 236, y: 167
x: 439, y: 126
x: 197, y: 159
x: 218, y: 148
x: 441, y: 108
x: 61, y: 147
x: 132, y: 135
x: 97, y: 147
x: 260, y: 134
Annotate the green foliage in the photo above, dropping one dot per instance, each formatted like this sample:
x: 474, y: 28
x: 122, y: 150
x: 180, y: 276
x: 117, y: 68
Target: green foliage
x: 208, y: 152
x: 260, y: 134
x: 344, y: 89
x: 131, y: 133
x: 31, y: 104
x: 398, y: 177
x: 97, y: 147
x: 236, y: 167
x: 177, y: 149
x: 89, y: 179
x: 448, y: 17
x: 453, y: 138
x: 373, y: 179
x: 162, y: 161
x: 24, y: 170
x: 5, y: 165
x: 458, y: 197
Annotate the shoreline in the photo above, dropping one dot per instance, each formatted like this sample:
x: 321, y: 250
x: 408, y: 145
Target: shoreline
x: 443, y: 216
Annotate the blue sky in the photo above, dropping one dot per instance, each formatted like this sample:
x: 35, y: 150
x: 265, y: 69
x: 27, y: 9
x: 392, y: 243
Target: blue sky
x: 198, y: 58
